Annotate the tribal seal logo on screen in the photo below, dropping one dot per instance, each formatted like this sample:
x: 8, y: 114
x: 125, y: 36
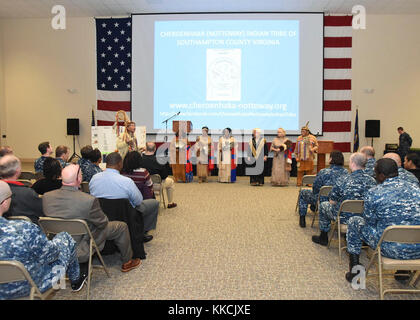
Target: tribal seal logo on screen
x: 224, y: 74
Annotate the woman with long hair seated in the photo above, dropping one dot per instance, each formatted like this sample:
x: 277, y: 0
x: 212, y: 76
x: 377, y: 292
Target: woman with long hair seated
x: 52, y: 174
x: 132, y: 169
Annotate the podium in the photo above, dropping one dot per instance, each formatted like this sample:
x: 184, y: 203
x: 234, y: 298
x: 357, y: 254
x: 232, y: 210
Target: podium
x: 324, y: 147
x: 178, y: 149
x: 177, y: 125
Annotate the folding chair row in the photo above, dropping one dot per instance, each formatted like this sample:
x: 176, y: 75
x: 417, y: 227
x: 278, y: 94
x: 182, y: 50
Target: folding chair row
x: 13, y: 271
x: 323, y: 192
x: 352, y: 206
x: 306, y: 180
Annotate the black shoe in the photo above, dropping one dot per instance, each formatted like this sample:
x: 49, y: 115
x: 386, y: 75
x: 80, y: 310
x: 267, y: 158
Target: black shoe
x: 322, y: 239
x: 353, y: 261
x: 78, y: 285
x: 147, y: 238
x: 302, y: 221
x: 402, y: 275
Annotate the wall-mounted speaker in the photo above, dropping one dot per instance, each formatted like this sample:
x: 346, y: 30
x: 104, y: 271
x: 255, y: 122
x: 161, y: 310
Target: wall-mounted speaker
x: 373, y: 129
x: 72, y: 127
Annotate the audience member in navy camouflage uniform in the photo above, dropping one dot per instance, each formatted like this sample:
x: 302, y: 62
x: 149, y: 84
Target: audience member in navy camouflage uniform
x: 25, y: 242
x: 402, y: 173
x: 393, y: 202
x: 325, y: 177
x: 352, y: 187
x: 62, y: 154
x: 369, y: 152
x: 46, y: 151
x: 89, y: 164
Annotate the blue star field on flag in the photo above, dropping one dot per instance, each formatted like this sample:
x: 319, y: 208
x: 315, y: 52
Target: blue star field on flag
x: 113, y: 54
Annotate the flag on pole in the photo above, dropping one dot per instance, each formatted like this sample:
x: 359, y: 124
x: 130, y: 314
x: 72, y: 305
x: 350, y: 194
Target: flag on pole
x: 113, y: 58
x: 93, y: 116
x: 356, y: 132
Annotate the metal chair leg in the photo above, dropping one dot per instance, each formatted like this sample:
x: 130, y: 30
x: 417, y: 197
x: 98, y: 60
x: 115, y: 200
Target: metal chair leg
x: 331, y: 235
x: 313, y: 218
x: 102, y: 261
x: 339, y: 239
x: 89, y: 269
x: 381, y: 293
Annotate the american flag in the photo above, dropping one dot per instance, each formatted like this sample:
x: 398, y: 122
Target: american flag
x: 113, y: 56
x: 114, y: 74
x: 337, y: 81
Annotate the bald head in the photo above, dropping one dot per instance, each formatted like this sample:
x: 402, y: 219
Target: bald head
x: 71, y: 175
x: 150, y: 146
x: 394, y: 156
x: 368, y: 151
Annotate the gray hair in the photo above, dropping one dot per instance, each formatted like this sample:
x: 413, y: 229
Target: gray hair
x: 9, y: 165
x: 359, y: 159
x: 368, y: 151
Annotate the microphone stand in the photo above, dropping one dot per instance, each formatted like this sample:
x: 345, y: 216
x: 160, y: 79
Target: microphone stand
x: 166, y: 130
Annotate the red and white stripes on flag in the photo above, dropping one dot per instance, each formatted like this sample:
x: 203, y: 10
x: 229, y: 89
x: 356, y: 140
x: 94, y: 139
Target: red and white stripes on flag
x: 109, y: 102
x: 337, y: 81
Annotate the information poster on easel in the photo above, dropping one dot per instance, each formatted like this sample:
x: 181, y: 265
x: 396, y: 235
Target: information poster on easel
x: 105, y: 138
x: 141, y: 136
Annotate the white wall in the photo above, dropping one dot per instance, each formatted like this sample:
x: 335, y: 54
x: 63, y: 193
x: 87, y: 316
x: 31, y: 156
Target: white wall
x: 40, y: 64
x: 386, y: 58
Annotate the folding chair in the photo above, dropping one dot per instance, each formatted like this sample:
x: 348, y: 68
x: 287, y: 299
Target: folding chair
x: 307, y: 179
x: 351, y: 206
x: 14, y: 271
x: 19, y: 218
x: 399, y: 234
x: 158, y: 188
x: 323, y: 192
x: 27, y: 183
x: 27, y: 175
x: 85, y: 187
x: 74, y: 227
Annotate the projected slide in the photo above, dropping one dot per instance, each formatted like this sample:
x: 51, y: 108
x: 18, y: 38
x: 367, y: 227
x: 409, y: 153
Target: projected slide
x: 237, y: 70
x: 227, y: 73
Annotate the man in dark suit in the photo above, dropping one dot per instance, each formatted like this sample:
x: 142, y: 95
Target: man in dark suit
x: 404, y: 145
x: 69, y: 202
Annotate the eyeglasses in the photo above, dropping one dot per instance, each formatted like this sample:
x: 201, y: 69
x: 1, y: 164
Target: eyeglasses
x: 6, y: 199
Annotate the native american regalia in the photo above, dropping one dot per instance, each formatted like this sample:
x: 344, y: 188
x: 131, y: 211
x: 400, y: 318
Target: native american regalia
x: 227, y: 159
x: 304, y: 155
x: 204, y: 150
x: 282, y: 161
x: 256, y: 152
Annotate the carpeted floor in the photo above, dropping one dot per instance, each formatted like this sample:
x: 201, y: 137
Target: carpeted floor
x: 232, y: 241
